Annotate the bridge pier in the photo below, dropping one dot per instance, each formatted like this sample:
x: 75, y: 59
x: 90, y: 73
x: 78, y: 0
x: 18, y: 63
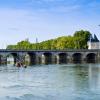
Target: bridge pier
x: 54, y: 58
x: 69, y: 58
x: 98, y: 57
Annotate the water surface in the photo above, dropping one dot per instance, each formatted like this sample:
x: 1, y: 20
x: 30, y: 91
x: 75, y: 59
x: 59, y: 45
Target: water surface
x: 50, y: 82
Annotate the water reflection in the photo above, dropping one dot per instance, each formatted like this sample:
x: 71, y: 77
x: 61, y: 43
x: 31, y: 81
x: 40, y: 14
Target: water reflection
x: 94, y: 79
x: 87, y: 80
x: 30, y: 59
x: 10, y: 60
x: 81, y: 78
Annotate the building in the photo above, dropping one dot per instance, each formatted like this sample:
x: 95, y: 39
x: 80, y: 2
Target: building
x: 93, y: 42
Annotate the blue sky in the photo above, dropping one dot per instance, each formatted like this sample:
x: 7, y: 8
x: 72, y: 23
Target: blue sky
x: 46, y: 19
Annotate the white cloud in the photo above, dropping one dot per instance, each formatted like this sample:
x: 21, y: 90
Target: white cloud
x: 16, y: 25
x: 13, y: 25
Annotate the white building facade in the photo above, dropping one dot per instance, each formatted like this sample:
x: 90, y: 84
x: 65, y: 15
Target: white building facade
x: 93, y: 42
x: 93, y: 45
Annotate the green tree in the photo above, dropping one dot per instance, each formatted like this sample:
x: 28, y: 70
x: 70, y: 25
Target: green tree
x: 77, y: 41
x: 83, y: 38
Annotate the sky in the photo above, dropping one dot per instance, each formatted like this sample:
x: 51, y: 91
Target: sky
x: 46, y: 19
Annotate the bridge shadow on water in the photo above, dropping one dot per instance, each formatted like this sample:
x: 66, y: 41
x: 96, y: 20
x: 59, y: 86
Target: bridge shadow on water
x: 49, y: 62
x: 67, y: 62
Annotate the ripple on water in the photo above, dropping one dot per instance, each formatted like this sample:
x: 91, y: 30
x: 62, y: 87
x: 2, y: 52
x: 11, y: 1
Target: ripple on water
x: 29, y: 97
x: 50, y: 82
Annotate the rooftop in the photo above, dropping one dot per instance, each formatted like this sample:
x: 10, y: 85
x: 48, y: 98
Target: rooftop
x: 93, y: 38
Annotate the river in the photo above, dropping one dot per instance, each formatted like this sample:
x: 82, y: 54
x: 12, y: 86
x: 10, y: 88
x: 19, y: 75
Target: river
x: 50, y: 82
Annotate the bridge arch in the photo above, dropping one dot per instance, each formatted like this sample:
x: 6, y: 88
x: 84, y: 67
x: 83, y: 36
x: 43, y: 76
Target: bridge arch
x: 47, y: 58
x: 77, y: 57
x: 12, y: 58
x: 30, y: 58
x: 91, y: 57
x: 2, y: 60
x: 62, y: 58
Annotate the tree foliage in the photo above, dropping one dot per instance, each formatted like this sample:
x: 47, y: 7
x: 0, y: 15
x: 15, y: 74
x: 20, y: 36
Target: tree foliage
x: 77, y: 41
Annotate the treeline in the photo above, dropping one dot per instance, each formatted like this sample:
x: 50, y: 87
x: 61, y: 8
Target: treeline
x: 77, y: 41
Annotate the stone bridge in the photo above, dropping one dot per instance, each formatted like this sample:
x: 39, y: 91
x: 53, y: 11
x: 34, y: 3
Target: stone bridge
x: 49, y: 56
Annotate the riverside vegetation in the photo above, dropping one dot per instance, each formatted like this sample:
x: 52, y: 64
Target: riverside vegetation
x: 77, y: 41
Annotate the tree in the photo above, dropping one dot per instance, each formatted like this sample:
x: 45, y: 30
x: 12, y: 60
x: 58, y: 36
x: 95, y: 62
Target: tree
x: 84, y: 37
x: 78, y: 41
